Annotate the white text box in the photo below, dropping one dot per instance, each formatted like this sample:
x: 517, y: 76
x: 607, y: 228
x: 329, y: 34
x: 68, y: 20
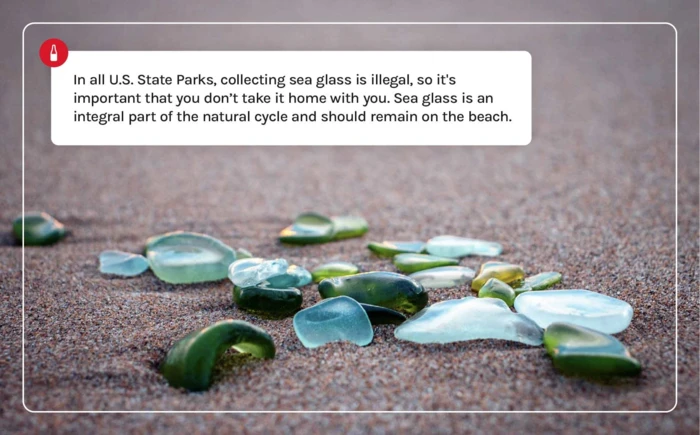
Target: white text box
x: 292, y: 98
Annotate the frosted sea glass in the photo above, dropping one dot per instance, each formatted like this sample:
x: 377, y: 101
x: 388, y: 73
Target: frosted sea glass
x: 444, y: 277
x: 183, y: 257
x: 122, y: 263
x: 469, y: 319
x: 336, y: 319
x: 457, y: 247
x: 579, y: 307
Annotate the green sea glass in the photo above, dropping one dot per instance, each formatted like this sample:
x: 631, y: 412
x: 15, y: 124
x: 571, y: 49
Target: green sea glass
x: 308, y: 228
x: 444, y: 277
x: 409, y: 263
x: 122, y: 263
x: 389, y: 249
x: 581, y: 351
x: 495, y: 288
x: 335, y: 319
x: 333, y: 269
x: 39, y: 229
x: 349, y: 226
x: 466, y: 319
x: 190, y: 361
x: 184, y: 258
x: 506, y: 272
x: 457, y: 247
x: 541, y: 281
x: 386, y: 289
x: 273, y: 302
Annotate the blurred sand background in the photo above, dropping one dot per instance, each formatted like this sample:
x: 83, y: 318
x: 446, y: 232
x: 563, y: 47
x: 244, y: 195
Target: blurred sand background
x: 592, y: 196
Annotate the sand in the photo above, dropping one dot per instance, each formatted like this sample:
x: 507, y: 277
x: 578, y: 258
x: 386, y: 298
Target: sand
x: 592, y: 197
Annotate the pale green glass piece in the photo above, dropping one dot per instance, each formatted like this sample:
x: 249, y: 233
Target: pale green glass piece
x: 295, y: 276
x: 444, y: 277
x: 272, y: 275
x: 250, y: 272
x: 469, y: 319
x: 458, y: 247
x: 579, y: 307
x: 389, y: 248
x: 336, y: 319
x: 495, y: 288
x: 184, y: 258
x: 345, y: 227
x: 122, y: 263
x: 333, y: 269
x: 409, y: 263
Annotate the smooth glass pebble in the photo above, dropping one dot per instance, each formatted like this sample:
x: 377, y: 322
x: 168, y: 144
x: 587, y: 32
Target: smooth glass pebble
x: 511, y: 274
x: 579, y: 307
x: 469, y: 319
x: 39, y: 229
x: 335, y: 319
x: 256, y: 273
x: 444, y: 277
x: 273, y: 302
x: 184, y: 258
x: 495, y: 288
x: 580, y: 351
x: 243, y: 253
x: 190, y: 361
x: 409, y: 263
x: 458, y: 247
x: 345, y: 227
x: 244, y: 263
x: 308, y: 228
x: 386, y: 289
x: 334, y: 269
x: 541, y: 281
x: 383, y: 316
x: 389, y: 249
x: 122, y: 263
x: 302, y: 275
x: 295, y: 276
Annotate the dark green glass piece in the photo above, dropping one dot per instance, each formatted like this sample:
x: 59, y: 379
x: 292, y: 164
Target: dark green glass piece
x: 386, y: 289
x: 190, y: 361
x: 584, y: 352
x: 39, y: 229
x: 383, y: 316
x: 409, y: 263
x: 273, y: 302
x: 308, y: 228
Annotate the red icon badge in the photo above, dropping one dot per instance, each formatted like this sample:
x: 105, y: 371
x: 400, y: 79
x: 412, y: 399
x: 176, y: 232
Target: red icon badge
x: 53, y: 52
